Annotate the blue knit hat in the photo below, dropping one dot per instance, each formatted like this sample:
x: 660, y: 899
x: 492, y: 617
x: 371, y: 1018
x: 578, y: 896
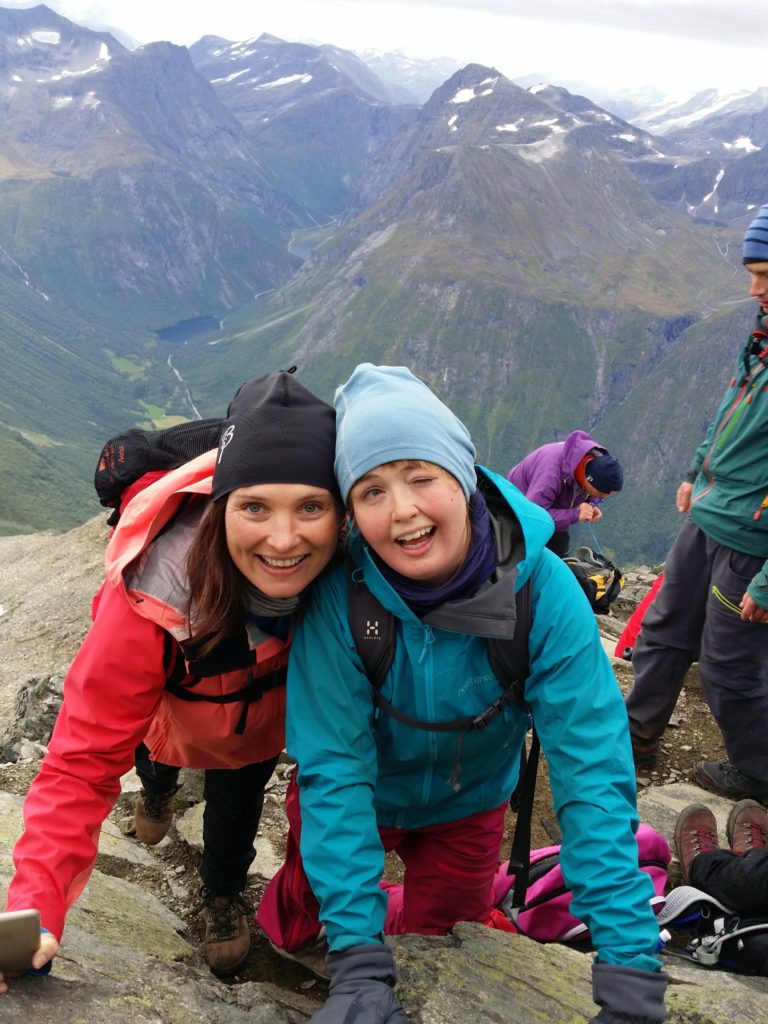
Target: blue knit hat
x: 756, y: 238
x: 384, y: 414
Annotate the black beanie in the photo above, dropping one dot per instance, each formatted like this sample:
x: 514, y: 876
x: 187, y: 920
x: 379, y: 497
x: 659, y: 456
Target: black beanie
x: 605, y: 474
x: 276, y: 432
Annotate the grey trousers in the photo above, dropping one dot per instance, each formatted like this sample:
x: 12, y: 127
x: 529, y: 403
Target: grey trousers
x: 695, y: 617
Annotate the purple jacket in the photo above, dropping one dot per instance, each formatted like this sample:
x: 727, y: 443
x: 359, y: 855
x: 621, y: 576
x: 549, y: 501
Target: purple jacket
x: 545, y: 476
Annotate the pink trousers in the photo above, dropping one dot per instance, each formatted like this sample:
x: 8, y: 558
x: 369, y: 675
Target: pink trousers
x: 449, y: 874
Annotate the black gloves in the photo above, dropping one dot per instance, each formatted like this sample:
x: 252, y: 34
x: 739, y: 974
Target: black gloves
x: 361, y: 988
x: 628, y: 996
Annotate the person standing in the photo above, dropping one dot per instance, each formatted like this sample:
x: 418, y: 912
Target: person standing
x: 569, y: 479
x: 713, y: 606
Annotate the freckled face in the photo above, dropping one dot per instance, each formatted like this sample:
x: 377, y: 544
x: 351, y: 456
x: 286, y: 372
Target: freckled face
x: 414, y: 516
x: 281, y: 536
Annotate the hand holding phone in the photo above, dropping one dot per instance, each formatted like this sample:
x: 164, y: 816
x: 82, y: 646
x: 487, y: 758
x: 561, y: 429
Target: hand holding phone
x: 19, y: 940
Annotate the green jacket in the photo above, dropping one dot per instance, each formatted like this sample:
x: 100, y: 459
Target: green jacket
x: 730, y: 468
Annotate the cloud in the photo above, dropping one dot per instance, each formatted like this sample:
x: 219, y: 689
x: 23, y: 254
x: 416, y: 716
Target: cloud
x: 721, y: 21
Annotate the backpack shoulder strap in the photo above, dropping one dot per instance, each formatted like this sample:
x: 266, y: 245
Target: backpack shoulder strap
x: 373, y: 630
x: 509, y: 658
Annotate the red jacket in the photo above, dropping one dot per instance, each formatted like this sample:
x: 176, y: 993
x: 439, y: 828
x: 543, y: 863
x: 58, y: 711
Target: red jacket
x: 115, y: 697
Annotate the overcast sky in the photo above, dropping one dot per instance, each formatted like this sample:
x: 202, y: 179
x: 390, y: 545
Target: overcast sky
x: 679, y: 46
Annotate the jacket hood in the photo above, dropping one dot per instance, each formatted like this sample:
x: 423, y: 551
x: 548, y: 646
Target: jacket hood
x: 153, y: 575
x: 522, y: 530
x: 575, y: 446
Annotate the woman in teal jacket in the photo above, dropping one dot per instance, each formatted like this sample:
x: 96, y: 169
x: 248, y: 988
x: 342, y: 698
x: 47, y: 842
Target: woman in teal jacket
x: 444, y: 546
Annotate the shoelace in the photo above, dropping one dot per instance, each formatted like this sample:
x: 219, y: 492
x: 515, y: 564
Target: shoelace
x: 224, y: 920
x: 156, y: 805
x: 753, y: 837
x: 703, y: 840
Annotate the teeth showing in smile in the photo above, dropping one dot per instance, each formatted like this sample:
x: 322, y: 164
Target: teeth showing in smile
x: 282, y: 563
x: 411, y: 538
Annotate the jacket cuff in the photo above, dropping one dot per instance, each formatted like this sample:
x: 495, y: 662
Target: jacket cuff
x: 628, y: 992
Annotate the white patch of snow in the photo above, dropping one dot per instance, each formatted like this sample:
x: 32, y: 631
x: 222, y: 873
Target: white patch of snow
x: 229, y: 78
x: 537, y: 152
x: 90, y: 102
x: 463, y: 96
x: 285, y: 81
x: 538, y: 88
x: 751, y: 206
x: 15, y: 78
x: 746, y: 144
x: 486, y: 92
x: 601, y: 116
x: 104, y: 53
x: 625, y: 138
x: 545, y: 124
x: 452, y: 122
x: 512, y: 127
x: 72, y: 74
x: 62, y: 101
x: 718, y: 179
x: 52, y: 38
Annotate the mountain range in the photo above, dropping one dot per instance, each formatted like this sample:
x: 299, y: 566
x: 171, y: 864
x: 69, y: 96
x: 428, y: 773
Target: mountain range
x: 546, y: 263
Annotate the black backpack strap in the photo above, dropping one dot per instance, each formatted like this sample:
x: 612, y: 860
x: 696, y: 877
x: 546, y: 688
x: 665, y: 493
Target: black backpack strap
x: 181, y: 682
x: 373, y: 629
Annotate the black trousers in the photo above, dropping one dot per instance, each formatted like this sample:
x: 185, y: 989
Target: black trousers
x: 234, y: 799
x: 695, y: 617
x: 739, y: 882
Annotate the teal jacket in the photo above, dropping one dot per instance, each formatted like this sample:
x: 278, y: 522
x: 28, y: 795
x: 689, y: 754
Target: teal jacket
x: 357, y: 770
x: 730, y: 468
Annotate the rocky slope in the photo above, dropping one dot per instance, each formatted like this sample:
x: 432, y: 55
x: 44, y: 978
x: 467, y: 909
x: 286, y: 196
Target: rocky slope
x: 132, y: 945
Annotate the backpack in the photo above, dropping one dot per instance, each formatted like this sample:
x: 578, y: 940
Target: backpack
x: 130, y: 455
x: 719, y: 937
x: 546, y: 913
x: 599, y: 578
x: 374, y: 631
x: 132, y: 460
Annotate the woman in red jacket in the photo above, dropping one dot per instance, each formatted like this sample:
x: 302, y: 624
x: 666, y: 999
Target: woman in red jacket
x: 184, y: 665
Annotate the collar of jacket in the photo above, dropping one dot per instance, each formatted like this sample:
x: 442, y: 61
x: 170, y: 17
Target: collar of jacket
x: 490, y: 612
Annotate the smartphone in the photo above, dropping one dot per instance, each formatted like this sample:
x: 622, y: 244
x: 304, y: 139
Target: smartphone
x: 19, y: 939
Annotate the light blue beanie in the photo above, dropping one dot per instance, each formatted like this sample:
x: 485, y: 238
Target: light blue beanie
x: 756, y: 238
x: 384, y: 414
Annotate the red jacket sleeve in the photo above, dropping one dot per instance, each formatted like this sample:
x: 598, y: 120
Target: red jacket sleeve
x: 110, y: 695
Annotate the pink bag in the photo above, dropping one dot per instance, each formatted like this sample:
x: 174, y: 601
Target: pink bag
x: 546, y: 915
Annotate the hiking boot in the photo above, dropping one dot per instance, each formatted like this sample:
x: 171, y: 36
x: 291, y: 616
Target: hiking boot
x: 747, y: 827
x: 695, y: 833
x: 227, y: 935
x: 645, y: 754
x: 312, y: 955
x: 725, y: 779
x: 152, y: 816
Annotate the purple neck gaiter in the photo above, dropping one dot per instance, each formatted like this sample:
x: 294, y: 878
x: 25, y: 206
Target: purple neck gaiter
x: 479, y: 565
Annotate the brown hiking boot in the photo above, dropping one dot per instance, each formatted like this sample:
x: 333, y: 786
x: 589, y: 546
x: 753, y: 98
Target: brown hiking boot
x: 695, y: 833
x: 747, y: 827
x: 227, y: 936
x: 645, y: 754
x: 152, y: 816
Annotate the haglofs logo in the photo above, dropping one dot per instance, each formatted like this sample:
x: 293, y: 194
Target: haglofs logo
x: 372, y: 630
x: 227, y: 436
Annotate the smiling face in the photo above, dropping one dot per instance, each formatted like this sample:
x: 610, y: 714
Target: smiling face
x: 758, y: 288
x: 281, y: 536
x: 414, y: 515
